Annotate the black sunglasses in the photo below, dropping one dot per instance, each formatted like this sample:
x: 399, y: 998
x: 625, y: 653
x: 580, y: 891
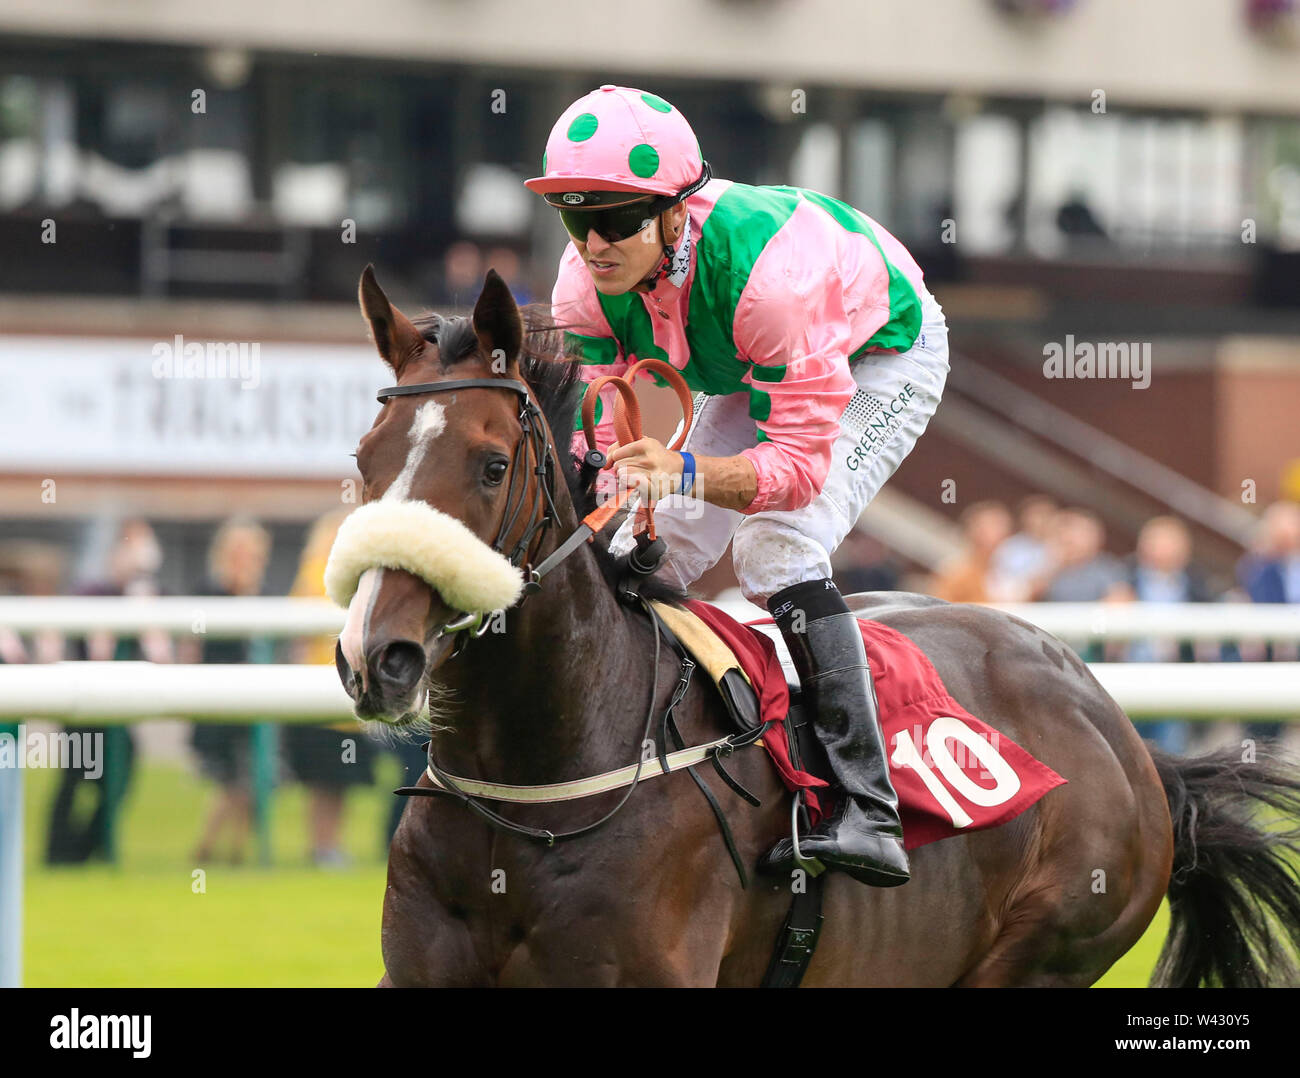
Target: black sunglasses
x: 615, y: 223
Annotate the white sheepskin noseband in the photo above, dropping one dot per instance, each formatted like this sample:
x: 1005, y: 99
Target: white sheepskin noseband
x: 437, y: 548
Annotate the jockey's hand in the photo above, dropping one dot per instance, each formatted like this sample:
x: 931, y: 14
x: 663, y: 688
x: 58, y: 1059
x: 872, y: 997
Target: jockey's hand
x: 649, y: 466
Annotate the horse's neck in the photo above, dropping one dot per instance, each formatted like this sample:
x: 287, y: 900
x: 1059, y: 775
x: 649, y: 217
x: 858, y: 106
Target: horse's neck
x: 561, y: 693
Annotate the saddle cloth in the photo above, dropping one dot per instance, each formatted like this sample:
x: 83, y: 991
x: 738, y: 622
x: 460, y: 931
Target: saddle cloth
x: 953, y: 772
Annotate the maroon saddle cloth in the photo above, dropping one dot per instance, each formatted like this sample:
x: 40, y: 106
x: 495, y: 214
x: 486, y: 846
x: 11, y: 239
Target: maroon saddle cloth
x: 953, y: 772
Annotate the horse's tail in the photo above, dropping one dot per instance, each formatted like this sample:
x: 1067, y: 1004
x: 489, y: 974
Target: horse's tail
x: 1234, y: 896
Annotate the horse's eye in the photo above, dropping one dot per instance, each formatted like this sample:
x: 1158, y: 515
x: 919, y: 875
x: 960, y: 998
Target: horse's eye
x: 495, y: 472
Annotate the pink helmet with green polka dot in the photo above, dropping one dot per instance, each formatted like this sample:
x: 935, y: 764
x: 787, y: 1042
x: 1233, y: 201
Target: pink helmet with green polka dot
x: 619, y: 139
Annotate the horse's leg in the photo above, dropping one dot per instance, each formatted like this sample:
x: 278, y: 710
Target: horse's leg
x: 1087, y: 896
x: 425, y: 938
x: 1033, y: 932
x: 1016, y: 958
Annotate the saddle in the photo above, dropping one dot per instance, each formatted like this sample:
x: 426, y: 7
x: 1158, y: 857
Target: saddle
x: 721, y: 663
x: 712, y: 654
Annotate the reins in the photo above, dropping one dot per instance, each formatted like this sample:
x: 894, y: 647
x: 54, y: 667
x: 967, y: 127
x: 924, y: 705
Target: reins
x: 627, y: 425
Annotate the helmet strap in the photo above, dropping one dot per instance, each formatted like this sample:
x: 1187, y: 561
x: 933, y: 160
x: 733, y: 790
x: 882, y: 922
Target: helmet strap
x: 665, y: 264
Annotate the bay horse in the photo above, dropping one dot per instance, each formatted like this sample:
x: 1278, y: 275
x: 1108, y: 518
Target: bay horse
x: 650, y: 897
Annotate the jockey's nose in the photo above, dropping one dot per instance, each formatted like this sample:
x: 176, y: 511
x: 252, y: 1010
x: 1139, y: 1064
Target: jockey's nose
x: 396, y: 668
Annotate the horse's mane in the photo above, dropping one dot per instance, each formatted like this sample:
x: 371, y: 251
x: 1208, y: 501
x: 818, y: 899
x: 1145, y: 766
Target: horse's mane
x: 555, y: 378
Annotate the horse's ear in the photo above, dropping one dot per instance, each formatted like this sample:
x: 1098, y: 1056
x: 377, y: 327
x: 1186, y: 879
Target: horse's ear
x: 395, y: 336
x: 497, y: 324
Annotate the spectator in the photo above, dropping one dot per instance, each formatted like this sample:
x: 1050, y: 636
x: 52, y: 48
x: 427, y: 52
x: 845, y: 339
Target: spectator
x: 133, y: 565
x: 1083, y: 572
x: 462, y: 273
x: 985, y: 526
x: 237, y: 560
x: 1022, y: 564
x: 327, y: 760
x: 506, y: 261
x: 1271, y: 574
x: 30, y: 568
x: 1161, y: 572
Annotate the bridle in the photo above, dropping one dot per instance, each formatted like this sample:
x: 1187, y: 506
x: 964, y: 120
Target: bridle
x: 535, y: 445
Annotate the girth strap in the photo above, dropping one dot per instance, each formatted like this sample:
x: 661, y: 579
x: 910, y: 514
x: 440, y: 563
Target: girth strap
x: 797, y: 940
x: 798, y: 937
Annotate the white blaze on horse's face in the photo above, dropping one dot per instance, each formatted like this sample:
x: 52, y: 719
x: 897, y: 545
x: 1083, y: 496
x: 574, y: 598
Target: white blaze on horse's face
x: 352, y: 640
x: 430, y: 421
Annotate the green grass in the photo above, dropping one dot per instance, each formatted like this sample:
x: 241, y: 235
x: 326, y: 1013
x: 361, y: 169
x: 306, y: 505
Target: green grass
x: 140, y: 923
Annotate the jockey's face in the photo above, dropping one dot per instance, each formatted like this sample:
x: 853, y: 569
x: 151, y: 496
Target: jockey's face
x: 619, y: 267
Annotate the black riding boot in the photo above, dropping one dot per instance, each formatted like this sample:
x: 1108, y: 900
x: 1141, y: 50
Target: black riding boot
x: 863, y: 835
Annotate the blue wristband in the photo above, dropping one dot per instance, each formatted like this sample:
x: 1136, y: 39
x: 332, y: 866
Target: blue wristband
x: 688, y: 472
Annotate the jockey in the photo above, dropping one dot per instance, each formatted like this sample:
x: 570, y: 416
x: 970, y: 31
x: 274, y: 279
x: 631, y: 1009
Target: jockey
x: 818, y: 356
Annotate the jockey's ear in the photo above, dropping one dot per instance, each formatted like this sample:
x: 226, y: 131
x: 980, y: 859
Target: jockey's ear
x: 673, y: 221
x: 497, y: 324
x: 396, y: 338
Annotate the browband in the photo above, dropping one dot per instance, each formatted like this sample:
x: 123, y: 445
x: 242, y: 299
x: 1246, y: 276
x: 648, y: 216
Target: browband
x: 455, y: 383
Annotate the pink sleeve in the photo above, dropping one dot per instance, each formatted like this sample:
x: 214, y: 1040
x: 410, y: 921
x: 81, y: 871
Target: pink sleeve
x: 588, y: 338
x: 792, y: 326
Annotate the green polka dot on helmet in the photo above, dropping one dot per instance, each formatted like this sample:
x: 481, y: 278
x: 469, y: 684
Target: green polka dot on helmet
x: 643, y: 161
x: 583, y: 127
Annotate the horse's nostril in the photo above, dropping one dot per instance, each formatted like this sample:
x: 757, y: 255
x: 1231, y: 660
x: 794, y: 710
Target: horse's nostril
x: 352, y: 681
x: 401, y: 664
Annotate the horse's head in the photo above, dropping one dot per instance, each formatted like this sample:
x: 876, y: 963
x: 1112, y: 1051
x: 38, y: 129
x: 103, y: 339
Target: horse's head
x: 453, y: 504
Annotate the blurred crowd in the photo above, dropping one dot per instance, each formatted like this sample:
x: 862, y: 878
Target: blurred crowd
x: 465, y: 264
x: 326, y: 760
x: 1052, y: 553
x: 1045, y: 552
